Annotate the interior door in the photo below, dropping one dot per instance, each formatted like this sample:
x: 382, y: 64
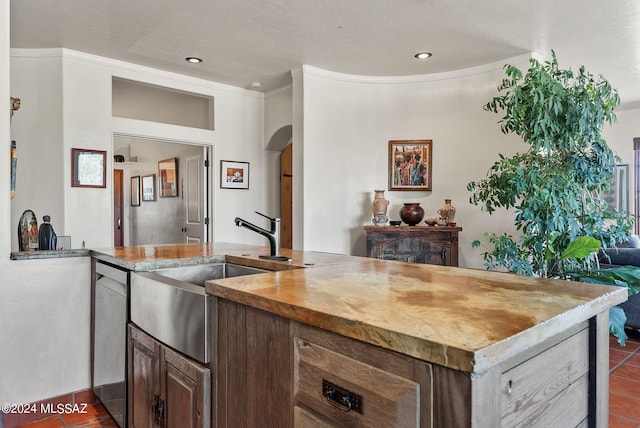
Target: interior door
x: 195, y: 190
x: 286, y: 197
x: 118, y: 208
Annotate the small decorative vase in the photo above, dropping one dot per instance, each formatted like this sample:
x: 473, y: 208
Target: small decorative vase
x: 380, y: 219
x: 412, y: 213
x: 448, y: 211
x: 379, y: 207
x: 47, y: 238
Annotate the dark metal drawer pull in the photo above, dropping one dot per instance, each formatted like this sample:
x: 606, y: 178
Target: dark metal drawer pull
x: 340, y: 398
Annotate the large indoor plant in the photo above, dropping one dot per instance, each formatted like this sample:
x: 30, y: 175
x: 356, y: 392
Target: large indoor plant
x: 554, y: 186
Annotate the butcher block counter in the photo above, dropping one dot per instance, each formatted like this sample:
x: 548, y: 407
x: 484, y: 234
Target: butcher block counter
x: 332, y: 339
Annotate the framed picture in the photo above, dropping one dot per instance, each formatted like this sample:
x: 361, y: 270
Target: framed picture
x: 149, y: 187
x: 410, y: 164
x: 168, y: 173
x: 88, y: 168
x: 618, y: 194
x: 234, y: 175
x: 135, y: 191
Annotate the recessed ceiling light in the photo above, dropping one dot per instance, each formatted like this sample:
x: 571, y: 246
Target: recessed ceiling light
x: 193, y: 60
x: 256, y: 85
x: 423, y: 55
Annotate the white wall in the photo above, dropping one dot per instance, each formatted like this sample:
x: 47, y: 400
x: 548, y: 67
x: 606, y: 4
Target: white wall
x: 348, y: 121
x: 44, y: 304
x: 45, y: 336
x: 5, y: 135
x: 44, y: 314
x: 278, y: 113
x: 85, y: 121
x: 37, y: 129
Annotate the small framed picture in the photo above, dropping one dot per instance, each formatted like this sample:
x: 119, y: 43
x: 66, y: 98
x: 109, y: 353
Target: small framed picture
x: 234, y: 175
x: 149, y: 187
x: 88, y: 168
x: 135, y: 191
x: 168, y: 172
x: 410, y: 165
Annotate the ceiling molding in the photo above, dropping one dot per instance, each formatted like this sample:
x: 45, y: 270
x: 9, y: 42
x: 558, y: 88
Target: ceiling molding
x: 518, y: 61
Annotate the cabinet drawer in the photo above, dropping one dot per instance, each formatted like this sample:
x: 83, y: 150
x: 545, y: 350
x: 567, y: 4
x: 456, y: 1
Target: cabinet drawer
x: 550, y: 389
x: 303, y: 418
x: 383, y: 398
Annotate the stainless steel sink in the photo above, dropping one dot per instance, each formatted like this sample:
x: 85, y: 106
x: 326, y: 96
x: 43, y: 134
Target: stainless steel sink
x: 198, y: 274
x: 172, y: 305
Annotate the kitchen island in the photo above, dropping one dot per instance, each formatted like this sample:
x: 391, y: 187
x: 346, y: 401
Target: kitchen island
x: 327, y: 339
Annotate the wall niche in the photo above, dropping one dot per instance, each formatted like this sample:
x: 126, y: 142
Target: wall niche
x: 143, y: 101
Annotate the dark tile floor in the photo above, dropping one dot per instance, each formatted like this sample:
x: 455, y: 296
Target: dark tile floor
x: 624, y: 394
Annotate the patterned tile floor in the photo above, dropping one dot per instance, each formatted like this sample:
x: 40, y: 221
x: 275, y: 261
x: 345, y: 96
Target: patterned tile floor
x: 624, y: 395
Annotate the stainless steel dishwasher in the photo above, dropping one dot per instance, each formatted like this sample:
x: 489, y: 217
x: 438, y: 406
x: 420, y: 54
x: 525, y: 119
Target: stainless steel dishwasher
x: 109, y: 352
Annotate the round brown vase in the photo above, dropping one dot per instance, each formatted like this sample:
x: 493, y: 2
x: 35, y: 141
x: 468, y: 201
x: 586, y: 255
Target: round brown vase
x: 411, y: 213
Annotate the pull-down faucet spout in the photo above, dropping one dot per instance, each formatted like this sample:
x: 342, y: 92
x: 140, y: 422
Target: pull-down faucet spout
x: 273, y: 235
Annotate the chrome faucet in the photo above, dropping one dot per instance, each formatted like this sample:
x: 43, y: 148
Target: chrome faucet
x: 273, y: 235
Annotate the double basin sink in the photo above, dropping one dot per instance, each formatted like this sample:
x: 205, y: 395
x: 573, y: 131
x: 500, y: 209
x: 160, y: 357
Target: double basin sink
x: 172, y: 305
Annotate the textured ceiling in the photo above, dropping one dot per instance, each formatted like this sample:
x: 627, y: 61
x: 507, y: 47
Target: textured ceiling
x: 262, y: 40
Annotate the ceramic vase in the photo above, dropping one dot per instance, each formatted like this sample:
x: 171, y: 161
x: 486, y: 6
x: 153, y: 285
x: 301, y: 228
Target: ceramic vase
x: 379, y: 208
x: 411, y: 213
x: 448, y: 211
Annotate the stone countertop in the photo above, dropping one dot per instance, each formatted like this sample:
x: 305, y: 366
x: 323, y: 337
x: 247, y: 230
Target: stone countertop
x: 464, y: 319
x: 149, y: 257
x: 48, y: 254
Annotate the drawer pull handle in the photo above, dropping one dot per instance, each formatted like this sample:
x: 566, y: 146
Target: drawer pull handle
x: 340, y: 398
x: 509, y: 387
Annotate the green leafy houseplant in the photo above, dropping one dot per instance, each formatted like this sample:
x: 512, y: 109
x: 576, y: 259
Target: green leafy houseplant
x: 554, y: 186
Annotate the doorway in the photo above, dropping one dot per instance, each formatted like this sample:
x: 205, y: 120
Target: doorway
x: 286, y: 197
x: 118, y: 209
x: 164, y: 217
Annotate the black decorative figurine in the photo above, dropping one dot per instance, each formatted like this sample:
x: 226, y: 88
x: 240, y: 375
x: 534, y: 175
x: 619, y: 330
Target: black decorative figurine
x: 47, y: 239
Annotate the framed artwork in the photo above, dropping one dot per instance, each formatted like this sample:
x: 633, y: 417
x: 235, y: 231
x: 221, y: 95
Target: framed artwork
x: 234, y: 175
x: 618, y: 194
x: 410, y: 163
x: 168, y: 173
x: 88, y: 168
x: 135, y: 191
x: 149, y: 187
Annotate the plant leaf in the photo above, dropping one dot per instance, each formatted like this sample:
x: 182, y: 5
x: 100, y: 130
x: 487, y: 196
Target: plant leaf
x: 617, y: 320
x: 580, y: 248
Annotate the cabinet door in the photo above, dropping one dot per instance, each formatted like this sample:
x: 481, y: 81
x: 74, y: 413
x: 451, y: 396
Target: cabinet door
x: 143, y: 378
x: 417, y: 250
x: 186, y: 387
x: 252, y: 365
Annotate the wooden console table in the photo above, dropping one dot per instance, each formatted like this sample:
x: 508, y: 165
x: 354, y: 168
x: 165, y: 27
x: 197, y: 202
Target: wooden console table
x: 436, y: 245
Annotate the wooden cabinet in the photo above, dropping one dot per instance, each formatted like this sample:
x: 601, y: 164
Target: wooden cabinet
x: 343, y: 382
x: 275, y: 372
x: 166, y: 389
x: 417, y: 244
x: 252, y: 364
x: 549, y: 389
